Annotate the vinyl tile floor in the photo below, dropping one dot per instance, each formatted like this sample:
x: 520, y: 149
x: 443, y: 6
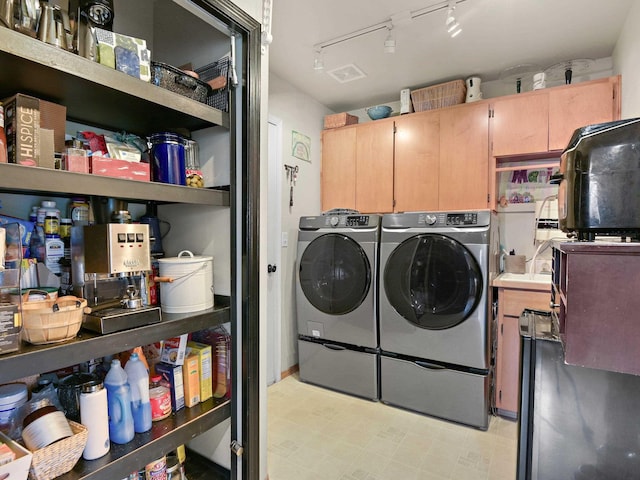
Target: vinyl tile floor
x: 318, y: 434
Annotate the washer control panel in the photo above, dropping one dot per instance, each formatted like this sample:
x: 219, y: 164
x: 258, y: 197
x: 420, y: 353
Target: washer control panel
x: 442, y: 219
x: 347, y: 221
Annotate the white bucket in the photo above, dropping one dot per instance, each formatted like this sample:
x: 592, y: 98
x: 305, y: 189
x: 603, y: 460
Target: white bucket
x: 190, y: 285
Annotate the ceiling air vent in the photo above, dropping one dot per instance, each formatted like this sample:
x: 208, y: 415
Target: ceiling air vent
x: 347, y: 73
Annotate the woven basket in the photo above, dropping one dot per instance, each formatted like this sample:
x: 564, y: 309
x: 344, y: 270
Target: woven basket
x: 51, y: 321
x: 59, y: 457
x: 339, y: 120
x: 439, y: 96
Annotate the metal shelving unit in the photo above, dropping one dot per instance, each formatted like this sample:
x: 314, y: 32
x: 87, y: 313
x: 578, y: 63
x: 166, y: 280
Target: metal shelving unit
x: 44, y: 181
x: 33, y: 359
x: 93, y: 93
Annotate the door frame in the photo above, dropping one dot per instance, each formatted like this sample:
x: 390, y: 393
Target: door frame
x: 274, y: 252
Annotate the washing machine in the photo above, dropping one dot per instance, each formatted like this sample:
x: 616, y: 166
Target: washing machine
x: 337, y: 268
x: 435, y: 312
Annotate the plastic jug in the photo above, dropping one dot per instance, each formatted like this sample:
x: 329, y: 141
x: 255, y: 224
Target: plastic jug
x: 139, y: 381
x: 119, y: 404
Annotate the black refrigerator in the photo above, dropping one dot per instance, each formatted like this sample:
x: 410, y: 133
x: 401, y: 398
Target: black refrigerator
x: 575, y: 423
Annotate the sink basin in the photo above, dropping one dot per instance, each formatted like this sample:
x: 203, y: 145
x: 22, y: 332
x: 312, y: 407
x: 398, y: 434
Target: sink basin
x: 542, y: 278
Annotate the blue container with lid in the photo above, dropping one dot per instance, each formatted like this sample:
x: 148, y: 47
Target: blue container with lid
x: 168, y: 153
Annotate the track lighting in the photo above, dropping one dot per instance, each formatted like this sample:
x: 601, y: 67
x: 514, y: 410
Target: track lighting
x: 318, y: 62
x: 390, y: 43
x: 453, y: 27
x: 399, y: 20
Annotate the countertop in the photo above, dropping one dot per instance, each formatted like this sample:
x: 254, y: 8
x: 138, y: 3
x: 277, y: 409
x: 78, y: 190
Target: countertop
x: 528, y: 281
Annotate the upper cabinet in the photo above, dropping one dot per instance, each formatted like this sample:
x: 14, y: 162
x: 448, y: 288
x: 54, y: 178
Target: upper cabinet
x: 439, y: 159
x: 417, y: 161
x: 374, y: 167
x: 339, y: 168
x: 464, y: 157
x: 543, y: 120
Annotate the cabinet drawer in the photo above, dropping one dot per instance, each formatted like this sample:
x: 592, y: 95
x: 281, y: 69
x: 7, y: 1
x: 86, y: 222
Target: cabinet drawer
x: 513, y: 301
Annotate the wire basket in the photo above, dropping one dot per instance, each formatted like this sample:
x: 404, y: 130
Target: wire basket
x: 439, y: 96
x: 177, y: 81
x: 59, y: 457
x: 51, y: 321
x: 218, y: 71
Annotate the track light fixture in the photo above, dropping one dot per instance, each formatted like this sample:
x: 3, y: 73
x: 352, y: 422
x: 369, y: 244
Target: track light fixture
x: 318, y: 62
x: 396, y: 20
x: 390, y: 42
x: 453, y: 27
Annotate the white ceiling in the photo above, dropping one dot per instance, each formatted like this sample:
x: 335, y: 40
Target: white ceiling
x: 497, y: 35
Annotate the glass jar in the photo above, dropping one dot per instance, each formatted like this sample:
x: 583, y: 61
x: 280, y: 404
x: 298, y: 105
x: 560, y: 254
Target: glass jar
x: 192, y: 165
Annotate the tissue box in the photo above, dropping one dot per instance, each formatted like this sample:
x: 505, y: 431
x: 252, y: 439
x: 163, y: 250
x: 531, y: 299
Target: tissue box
x: 124, y: 53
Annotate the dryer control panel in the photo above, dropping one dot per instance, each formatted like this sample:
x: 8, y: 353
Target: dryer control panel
x: 469, y: 218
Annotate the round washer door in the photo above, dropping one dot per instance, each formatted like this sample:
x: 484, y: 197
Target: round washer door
x: 335, y: 274
x: 433, y: 281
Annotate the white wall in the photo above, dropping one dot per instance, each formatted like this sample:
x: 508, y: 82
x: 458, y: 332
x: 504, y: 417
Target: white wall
x: 301, y: 113
x: 625, y: 61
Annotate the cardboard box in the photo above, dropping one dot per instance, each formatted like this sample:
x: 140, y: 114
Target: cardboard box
x: 9, y: 328
x: 124, y: 53
x: 111, y: 167
x: 47, y: 149
x: 191, y: 378
x: 174, y: 350
x: 22, y: 127
x: 172, y: 378
x: 205, y: 364
x: 339, y: 120
x: 19, y: 468
x: 54, y: 117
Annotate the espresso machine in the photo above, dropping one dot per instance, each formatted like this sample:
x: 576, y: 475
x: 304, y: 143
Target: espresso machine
x: 108, y: 263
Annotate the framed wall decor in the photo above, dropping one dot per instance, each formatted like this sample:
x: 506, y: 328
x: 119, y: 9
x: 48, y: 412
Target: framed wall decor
x: 300, y: 146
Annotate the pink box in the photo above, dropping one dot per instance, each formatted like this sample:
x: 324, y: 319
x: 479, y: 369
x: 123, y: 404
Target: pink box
x: 111, y: 167
x: 75, y: 163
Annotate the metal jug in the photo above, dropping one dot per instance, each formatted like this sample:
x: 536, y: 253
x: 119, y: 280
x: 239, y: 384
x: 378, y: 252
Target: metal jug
x: 51, y: 28
x: 6, y: 13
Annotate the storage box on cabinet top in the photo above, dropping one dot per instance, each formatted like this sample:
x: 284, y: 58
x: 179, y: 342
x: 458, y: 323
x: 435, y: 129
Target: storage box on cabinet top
x: 439, y: 96
x: 339, y: 120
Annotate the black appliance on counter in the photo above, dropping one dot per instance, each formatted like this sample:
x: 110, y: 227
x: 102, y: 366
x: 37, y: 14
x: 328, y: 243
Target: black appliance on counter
x: 576, y: 423
x: 599, y: 177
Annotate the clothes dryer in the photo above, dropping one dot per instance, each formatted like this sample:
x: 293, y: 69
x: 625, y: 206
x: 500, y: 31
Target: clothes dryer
x: 336, y: 302
x: 435, y: 312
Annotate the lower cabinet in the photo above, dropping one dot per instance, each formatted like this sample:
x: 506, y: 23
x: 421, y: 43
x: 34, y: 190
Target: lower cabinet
x: 511, y: 303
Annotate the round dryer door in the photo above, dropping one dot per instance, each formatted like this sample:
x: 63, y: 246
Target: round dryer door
x: 335, y: 274
x: 433, y: 281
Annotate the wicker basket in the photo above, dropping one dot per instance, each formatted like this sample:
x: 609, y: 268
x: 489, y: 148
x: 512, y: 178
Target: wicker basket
x: 59, y: 457
x: 51, y: 321
x: 439, y: 96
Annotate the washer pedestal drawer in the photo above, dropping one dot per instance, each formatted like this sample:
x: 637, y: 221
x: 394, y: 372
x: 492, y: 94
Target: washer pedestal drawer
x: 335, y: 366
x: 455, y: 395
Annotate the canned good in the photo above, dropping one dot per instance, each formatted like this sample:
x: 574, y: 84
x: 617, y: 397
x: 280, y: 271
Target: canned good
x: 156, y: 470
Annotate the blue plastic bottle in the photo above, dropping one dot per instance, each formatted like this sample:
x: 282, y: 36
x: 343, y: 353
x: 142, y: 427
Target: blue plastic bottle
x: 139, y: 381
x: 119, y: 404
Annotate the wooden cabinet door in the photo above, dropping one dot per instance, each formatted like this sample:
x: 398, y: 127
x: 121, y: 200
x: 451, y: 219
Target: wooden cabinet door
x: 508, y: 364
x: 520, y: 124
x: 338, y: 179
x: 464, y: 158
x: 580, y: 105
x: 374, y: 167
x: 416, y: 160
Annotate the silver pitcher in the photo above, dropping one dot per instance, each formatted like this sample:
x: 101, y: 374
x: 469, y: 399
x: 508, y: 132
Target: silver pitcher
x: 52, y: 26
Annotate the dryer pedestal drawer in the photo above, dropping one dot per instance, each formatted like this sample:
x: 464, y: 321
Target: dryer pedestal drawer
x: 340, y: 368
x: 454, y: 395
